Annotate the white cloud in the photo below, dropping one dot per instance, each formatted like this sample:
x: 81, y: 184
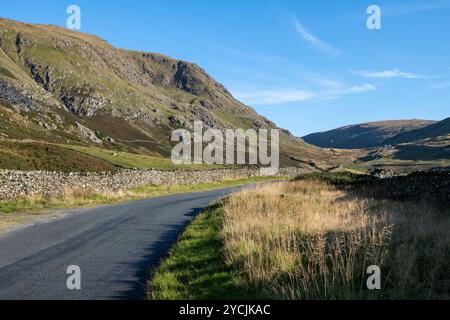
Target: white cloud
x: 279, y: 96
x: 314, y: 41
x: 275, y: 96
x: 258, y: 56
x: 384, y: 74
x: 352, y: 90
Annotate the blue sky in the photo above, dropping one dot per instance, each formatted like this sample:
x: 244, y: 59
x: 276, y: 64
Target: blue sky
x: 307, y: 65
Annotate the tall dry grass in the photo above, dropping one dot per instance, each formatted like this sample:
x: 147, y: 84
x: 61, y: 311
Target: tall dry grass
x: 309, y: 240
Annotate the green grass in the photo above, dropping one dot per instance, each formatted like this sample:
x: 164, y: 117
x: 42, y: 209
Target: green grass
x: 83, y: 198
x: 26, y: 156
x: 135, y: 161
x: 196, y: 270
x: 19, y: 155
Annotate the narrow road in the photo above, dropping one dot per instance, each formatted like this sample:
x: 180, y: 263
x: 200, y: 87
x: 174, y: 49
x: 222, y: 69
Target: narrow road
x: 115, y: 247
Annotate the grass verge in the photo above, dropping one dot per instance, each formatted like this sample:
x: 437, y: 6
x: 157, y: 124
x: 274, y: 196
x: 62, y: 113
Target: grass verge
x: 195, y: 269
x: 29, y: 208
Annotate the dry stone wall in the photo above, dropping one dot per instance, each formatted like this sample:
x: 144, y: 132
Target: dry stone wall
x: 16, y: 184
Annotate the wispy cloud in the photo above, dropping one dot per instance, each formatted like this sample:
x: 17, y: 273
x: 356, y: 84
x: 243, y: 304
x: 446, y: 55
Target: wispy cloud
x: 442, y: 85
x: 274, y: 96
x: 385, y: 74
x: 313, y: 40
x: 352, y: 90
x: 258, y: 56
x: 415, y: 7
x: 279, y: 96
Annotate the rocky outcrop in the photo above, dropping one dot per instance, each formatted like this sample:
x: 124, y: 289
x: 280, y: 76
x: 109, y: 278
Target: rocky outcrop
x: 16, y: 184
x: 11, y: 96
x: 88, y: 133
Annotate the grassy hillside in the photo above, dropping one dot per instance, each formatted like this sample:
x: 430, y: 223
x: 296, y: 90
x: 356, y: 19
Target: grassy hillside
x: 431, y: 131
x: 117, y: 108
x: 32, y: 155
x: 134, y: 161
x: 366, y: 135
x: 72, y: 88
x: 38, y: 156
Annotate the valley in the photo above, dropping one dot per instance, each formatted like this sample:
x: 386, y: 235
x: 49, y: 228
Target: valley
x: 70, y: 101
x: 105, y: 166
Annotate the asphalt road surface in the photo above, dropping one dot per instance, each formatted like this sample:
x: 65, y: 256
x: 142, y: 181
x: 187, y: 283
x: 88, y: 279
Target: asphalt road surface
x: 116, y: 247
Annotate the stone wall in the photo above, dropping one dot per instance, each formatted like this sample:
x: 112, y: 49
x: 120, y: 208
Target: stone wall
x: 417, y: 186
x: 15, y: 184
x: 431, y: 187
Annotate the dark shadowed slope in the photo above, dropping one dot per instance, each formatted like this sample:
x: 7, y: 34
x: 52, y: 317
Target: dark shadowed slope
x: 433, y: 131
x: 366, y: 135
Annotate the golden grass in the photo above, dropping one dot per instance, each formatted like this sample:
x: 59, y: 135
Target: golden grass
x: 309, y: 240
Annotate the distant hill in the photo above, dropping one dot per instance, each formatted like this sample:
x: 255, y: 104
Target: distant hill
x: 365, y: 135
x: 425, y: 148
x: 433, y: 131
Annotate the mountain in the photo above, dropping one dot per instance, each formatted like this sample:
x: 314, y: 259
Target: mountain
x: 432, y: 131
x: 366, y: 135
x: 426, y: 148
x: 62, y: 90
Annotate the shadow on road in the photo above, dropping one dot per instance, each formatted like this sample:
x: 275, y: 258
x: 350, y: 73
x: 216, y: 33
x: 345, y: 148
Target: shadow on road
x: 149, y: 262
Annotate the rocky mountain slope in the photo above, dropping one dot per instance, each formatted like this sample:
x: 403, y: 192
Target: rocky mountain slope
x: 366, y: 135
x: 69, y: 88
